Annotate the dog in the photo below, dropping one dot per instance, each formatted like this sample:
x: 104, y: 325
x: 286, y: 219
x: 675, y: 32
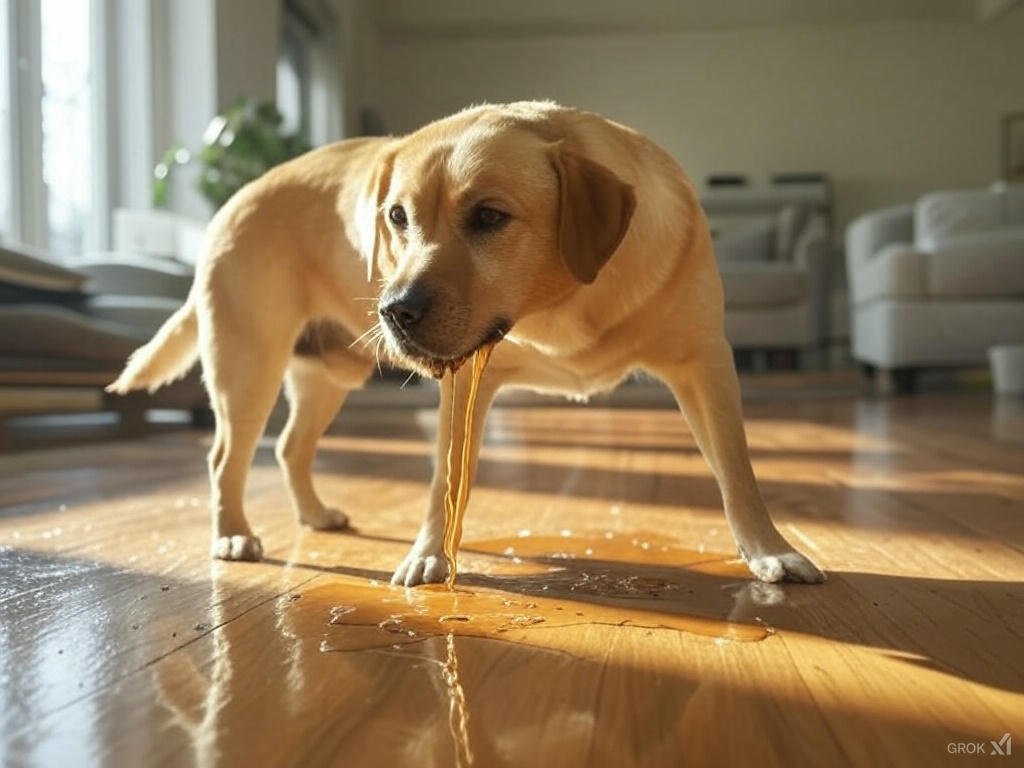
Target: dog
x: 576, y: 241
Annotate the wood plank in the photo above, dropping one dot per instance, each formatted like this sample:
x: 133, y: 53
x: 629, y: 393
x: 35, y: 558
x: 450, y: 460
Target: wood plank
x: 120, y: 640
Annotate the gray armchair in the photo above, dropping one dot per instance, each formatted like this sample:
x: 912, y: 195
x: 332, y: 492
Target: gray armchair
x: 776, y: 276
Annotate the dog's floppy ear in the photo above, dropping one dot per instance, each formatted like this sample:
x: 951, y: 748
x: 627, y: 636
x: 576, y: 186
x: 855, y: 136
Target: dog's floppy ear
x: 594, y: 210
x: 369, y: 220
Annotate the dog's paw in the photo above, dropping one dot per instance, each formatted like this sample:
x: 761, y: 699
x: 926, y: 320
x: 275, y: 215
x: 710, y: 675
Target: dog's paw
x: 325, y: 519
x: 237, y: 548
x: 784, y: 566
x: 421, y: 566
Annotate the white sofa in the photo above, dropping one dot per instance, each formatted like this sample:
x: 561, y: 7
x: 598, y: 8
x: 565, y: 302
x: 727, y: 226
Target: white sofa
x: 937, y: 283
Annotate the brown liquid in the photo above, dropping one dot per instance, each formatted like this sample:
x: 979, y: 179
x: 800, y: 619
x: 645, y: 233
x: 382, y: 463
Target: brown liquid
x: 384, y: 615
x: 559, y: 582
x: 455, y: 498
x: 458, y: 710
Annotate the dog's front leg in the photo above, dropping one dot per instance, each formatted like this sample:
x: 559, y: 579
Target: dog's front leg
x: 425, y: 562
x: 707, y: 390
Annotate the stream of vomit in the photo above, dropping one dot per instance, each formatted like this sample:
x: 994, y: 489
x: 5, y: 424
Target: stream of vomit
x: 458, y: 711
x: 455, y: 498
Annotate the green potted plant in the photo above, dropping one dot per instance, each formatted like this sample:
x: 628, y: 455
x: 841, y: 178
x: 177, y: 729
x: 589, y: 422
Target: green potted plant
x: 239, y: 145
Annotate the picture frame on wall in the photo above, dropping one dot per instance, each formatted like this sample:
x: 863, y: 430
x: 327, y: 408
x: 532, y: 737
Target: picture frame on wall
x: 1013, y: 147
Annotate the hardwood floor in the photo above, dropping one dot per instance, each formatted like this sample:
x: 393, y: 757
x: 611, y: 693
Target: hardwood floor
x: 599, y: 621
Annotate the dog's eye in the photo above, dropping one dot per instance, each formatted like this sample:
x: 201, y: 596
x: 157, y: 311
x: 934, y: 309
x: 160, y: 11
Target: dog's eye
x: 486, y: 219
x: 397, y: 215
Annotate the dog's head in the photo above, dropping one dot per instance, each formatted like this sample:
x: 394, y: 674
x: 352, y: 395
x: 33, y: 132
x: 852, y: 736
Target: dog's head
x: 479, y: 220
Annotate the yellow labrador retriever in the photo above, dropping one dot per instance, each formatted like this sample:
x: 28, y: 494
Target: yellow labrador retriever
x: 575, y: 239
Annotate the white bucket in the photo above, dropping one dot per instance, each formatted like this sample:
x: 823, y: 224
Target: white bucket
x: 1007, y: 363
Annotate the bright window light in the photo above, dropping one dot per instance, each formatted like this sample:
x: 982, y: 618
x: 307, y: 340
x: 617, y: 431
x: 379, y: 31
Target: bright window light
x: 67, y: 123
x: 5, y: 125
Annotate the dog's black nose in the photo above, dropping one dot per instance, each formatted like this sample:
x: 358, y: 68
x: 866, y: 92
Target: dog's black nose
x: 406, y: 309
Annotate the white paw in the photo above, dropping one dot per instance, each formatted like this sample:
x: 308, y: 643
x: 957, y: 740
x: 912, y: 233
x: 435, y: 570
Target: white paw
x: 784, y: 566
x: 421, y: 566
x: 237, y: 548
x: 325, y: 519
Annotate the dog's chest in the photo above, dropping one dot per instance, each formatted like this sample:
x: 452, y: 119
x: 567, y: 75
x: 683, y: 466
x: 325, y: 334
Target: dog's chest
x: 569, y: 376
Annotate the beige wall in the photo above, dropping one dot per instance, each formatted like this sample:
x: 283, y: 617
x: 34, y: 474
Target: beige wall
x: 248, y: 37
x: 890, y: 110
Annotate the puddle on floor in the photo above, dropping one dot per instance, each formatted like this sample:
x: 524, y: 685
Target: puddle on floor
x: 640, y: 550
x: 571, y: 581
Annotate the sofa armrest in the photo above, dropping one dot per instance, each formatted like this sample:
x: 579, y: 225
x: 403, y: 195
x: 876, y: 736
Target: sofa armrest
x: 866, y: 235
x: 896, y: 270
x: 143, y: 314
x: 814, y: 254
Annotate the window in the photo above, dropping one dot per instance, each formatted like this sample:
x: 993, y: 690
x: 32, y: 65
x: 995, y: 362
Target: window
x: 293, y: 72
x: 67, y: 108
x: 6, y: 171
x: 50, y: 146
x: 307, y: 69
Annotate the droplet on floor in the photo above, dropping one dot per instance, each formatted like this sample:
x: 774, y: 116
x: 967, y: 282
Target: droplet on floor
x: 338, y: 612
x: 393, y: 623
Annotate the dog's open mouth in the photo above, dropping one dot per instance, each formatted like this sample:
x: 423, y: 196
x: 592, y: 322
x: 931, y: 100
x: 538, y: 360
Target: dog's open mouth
x: 437, y: 366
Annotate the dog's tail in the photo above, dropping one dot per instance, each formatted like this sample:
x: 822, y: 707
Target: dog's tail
x: 166, y: 357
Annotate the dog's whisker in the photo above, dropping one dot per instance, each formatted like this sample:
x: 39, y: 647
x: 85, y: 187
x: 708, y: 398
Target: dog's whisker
x: 376, y: 334
x: 367, y: 337
x: 408, y: 379
x: 376, y: 354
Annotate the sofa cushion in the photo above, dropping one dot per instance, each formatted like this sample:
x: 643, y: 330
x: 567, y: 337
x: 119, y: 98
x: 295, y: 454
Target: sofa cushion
x: 750, y: 243
x: 982, y: 265
x: 1013, y: 204
x: 28, y: 268
x: 769, y: 284
x: 943, y: 215
x: 143, y: 314
x: 41, y: 330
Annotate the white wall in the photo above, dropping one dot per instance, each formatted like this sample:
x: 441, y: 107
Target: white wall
x: 358, y: 63
x: 889, y: 109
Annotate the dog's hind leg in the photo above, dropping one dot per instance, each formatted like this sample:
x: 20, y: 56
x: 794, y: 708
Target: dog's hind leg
x: 243, y: 371
x: 316, y: 389
x: 707, y: 391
